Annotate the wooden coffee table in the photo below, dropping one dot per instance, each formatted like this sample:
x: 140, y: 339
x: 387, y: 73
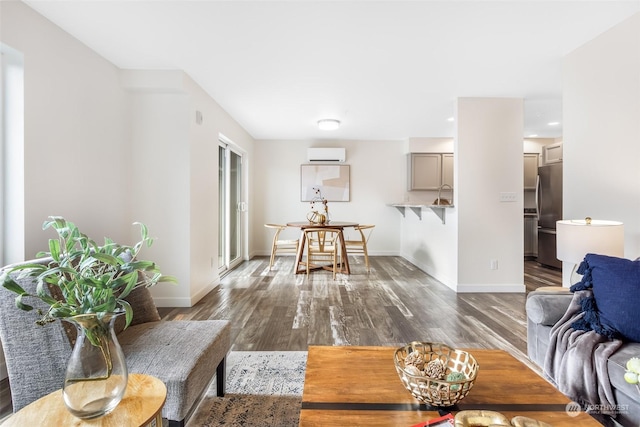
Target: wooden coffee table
x: 358, y: 386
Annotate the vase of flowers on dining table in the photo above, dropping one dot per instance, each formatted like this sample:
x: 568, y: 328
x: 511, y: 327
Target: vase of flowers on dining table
x: 318, y: 214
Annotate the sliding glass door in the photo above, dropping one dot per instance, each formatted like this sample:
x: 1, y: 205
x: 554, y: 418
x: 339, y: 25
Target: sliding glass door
x: 231, y: 207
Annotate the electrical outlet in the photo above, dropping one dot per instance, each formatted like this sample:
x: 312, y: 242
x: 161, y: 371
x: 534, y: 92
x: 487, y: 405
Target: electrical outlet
x: 494, y: 264
x: 508, y: 197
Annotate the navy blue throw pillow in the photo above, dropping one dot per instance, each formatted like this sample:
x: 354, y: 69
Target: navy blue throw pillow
x: 614, y: 309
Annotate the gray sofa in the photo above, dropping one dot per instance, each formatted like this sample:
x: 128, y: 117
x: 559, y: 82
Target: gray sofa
x: 544, y: 309
x: 185, y: 355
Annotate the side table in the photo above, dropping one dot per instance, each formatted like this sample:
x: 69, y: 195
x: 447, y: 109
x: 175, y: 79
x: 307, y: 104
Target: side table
x: 141, y: 406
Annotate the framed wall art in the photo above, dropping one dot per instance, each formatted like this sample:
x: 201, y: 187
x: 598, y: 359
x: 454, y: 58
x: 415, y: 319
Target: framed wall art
x: 332, y: 180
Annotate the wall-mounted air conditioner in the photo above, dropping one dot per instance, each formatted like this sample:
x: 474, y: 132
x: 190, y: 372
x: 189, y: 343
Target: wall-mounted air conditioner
x: 319, y: 154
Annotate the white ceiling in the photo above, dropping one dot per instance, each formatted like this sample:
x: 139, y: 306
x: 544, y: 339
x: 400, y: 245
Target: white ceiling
x: 385, y: 69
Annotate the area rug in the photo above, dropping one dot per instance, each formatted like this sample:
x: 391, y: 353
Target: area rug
x: 264, y: 388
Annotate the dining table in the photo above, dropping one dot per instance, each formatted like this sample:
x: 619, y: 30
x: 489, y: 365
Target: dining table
x: 300, y: 266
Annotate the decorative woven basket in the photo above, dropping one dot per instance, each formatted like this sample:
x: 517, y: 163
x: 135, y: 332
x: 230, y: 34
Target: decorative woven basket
x: 432, y: 391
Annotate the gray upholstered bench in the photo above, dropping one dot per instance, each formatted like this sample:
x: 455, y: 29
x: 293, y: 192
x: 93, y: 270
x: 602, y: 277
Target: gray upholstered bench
x: 185, y: 355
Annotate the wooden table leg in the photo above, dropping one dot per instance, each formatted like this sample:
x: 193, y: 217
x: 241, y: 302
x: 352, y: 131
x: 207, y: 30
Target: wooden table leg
x: 300, y: 253
x: 343, y: 251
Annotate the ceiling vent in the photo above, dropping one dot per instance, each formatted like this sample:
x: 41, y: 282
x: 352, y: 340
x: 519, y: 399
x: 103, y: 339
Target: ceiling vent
x: 326, y: 154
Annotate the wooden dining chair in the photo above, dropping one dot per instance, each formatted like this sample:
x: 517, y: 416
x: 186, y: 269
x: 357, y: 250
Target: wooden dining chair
x: 359, y: 246
x: 323, y: 246
x: 289, y: 246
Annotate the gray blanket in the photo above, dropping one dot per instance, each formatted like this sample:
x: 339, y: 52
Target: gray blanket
x: 576, y: 361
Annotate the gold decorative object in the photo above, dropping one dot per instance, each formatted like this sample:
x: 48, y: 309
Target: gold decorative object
x: 481, y: 418
x: 528, y: 422
x: 435, y: 369
x: 316, y: 217
x: 414, y: 359
x: 436, y: 391
x: 413, y: 370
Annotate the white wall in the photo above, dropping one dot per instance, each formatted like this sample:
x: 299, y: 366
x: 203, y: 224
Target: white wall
x: 377, y: 177
x: 427, y: 242
x: 488, y: 162
x: 159, y: 186
x: 175, y: 181
x: 601, y: 110
x: 203, y: 184
x: 75, y: 130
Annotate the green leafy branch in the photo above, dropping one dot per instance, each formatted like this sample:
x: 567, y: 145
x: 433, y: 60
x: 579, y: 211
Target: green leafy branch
x: 91, y: 278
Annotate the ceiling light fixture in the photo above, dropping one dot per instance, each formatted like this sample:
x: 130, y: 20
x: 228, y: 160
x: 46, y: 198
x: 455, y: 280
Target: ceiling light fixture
x: 328, y: 124
x: 553, y: 123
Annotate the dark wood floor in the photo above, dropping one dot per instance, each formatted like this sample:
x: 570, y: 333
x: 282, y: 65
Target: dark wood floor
x: 391, y: 305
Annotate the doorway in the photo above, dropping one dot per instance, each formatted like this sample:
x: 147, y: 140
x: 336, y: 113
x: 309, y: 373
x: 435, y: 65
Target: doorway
x: 231, y: 207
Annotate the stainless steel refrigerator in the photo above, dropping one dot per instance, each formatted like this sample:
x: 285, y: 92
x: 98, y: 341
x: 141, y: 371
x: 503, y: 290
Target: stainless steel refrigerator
x: 549, y: 207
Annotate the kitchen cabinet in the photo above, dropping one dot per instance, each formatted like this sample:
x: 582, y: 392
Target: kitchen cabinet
x: 428, y: 171
x: 530, y: 236
x: 552, y: 153
x: 530, y: 170
x: 447, y: 169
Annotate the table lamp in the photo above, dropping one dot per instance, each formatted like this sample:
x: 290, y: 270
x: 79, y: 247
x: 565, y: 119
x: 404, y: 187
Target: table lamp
x: 576, y: 238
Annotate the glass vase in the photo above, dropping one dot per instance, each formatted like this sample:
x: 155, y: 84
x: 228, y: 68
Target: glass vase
x: 96, y: 376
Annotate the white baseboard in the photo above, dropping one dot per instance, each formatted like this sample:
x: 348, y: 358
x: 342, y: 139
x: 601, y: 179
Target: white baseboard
x: 172, y: 302
x: 184, y: 301
x: 203, y: 292
x: 469, y: 288
x: 496, y: 288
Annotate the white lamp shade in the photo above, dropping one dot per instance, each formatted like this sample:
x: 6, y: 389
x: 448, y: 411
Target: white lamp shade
x: 576, y: 238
